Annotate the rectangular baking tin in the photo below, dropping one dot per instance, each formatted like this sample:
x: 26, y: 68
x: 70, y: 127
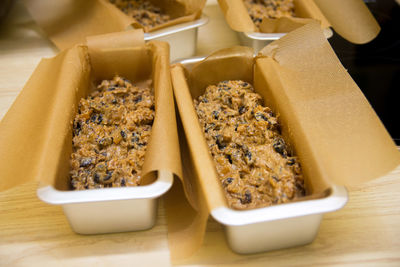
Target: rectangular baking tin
x: 275, y: 227
x: 258, y: 40
x: 109, y: 210
x: 182, y: 38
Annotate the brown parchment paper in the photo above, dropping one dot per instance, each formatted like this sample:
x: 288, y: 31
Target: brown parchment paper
x: 36, y: 133
x: 69, y: 22
x: 330, y: 119
x: 118, y: 40
x: 349, y: 18
x: 324, y: 116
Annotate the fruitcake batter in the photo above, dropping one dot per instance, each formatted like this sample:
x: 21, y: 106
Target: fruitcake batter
x: 143, y: 11
x: 273, y: 9
x: 110, y: 135
x: 253, y: 162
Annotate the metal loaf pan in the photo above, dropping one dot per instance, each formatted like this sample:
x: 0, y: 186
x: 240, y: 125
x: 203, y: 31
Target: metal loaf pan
x: 275, y: 227
x: 110, y: 210
x: 182, y: 38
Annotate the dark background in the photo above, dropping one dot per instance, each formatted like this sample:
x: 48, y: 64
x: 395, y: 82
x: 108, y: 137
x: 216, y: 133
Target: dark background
x: 375, y: 66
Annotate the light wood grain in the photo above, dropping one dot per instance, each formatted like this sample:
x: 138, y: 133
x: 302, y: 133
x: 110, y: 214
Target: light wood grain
x: 365, y: 232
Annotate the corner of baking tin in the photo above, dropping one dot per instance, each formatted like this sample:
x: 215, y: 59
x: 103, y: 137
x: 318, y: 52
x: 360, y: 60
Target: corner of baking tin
x: 166, y: 178
x: 339, y: 197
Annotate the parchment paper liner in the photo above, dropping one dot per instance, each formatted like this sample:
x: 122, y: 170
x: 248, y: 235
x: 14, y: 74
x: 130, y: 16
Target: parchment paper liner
x: 69, y: 22
x: 350, y: 18
x: 325, y: 117
x: 36, y: 132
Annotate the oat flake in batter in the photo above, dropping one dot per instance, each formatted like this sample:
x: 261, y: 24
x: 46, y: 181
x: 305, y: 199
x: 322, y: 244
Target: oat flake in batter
x: 252, y: 160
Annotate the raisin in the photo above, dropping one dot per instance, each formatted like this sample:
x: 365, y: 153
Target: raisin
x: 227, y: 181
x: 242, y: 109
x: 96, y: 177
x: 142, y: 144
x: 101, y: 167
x: 260, y: 116
x: 220, y: 142
x: 85, y: 162
x: 104, y: 177
x: 123, y: 183
x: 209, y: 126
x: 106, y: 141
x: 248, y: 155
x: 247, y: 198
x: 145, y: 15
x: 99, y: 118
x: 93, y: 118
x: 138, y: 99
x: 74, y: 183
x: 135, y: 138
x: 112, y: 88
x: 229, y: 158
x: 228, y: 101
x: 77, y: 127
x: 108, y: 176
x: 123, y: 134
x: 215, y: 114
x: 280, y: 146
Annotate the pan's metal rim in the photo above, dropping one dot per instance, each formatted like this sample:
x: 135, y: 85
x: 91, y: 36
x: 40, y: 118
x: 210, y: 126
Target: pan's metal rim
x: 259, y: 36
x: 263, y: 36
x: 53, y: 196
x: 189, y: 61
x: 334, y: 201
x: 176, y: 28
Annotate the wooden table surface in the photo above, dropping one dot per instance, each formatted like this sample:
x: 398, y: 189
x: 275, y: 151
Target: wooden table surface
x: 365, y: 232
